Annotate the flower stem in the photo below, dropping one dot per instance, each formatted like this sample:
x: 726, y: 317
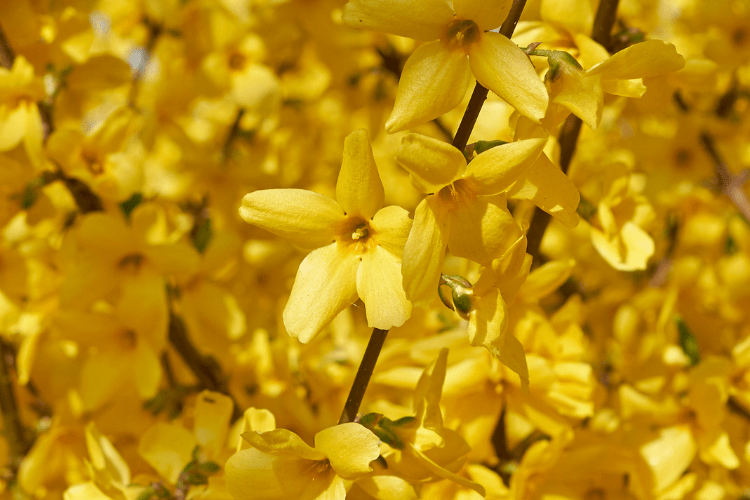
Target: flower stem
x: 362, y: 379
x: 480, y: 93
x: 568, y: 138
x: 15, y: 432
x: 729, y: 184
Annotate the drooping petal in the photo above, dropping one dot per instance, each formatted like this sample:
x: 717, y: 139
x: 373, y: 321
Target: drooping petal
x: 307, y: 219
x: 167, y: 448
x: 580, y: 94
x: 359, y: 190
x: 102, y: 376
x: 641, y: 60
x: 626, y: 88
x: 380, y: 286
x: 418, y: 19
x: 349, y: 447
x: 146, y: 371
x: 391, y: 226
x: 546, y: 279
x: 495, y: 170
x: 213, y: 412
x: 424, y: 251
x: 433, y: 82
x: 550, y: 189
x: 488, y: 322
x: 482, y: 230
x: 325, y: 285
x: 499, y: 65
x: 432, y: 164
x: 628, y: 252
x: 488, y: 14
x: 251, y: 474
x: 513, y: 356
x: 282, y: 442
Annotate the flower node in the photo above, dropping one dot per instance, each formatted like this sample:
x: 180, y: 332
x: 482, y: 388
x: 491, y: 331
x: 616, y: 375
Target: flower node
x: 461, y: 33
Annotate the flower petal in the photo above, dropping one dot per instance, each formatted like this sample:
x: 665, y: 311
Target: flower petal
x: 488, y: 322
x: 391, y: 226
x: 550, y: 189
x: 380, y: 286
x: 488, y: 14
x: 433, y: 82
x: 482, y: 230
x: 282, y: 442
x: 424, y: 251
x: 513, y: 356
x: 432, y: 164
x: 325, y: 285
x: 349, y: 447
x: 307, y: 219
x: 359, y: 190
x: 499, y: 65
x: 418, y: 19
x: 495, y: 170
x: 251, y: 474
x: 642, y: 60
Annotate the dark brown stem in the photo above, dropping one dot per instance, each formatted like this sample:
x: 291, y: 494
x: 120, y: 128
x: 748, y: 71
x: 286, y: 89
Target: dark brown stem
x: 362, y: 379
x: 233, y: 130
x: 605, y: 18
x: 568, y: 138
x: 15, y: 432
x: 729, y: 183
x: 205, y: 368
x: 480, y: 93
x: 7, y: 56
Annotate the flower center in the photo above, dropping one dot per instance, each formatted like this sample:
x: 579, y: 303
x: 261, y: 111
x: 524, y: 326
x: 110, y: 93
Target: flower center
x: 455, y: 194
x: 356, y: 234
x: 461, y: 33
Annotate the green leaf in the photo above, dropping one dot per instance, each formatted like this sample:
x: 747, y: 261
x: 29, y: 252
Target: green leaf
x: 129, y: 205
x: 202, y: 235
x: 687, y: 342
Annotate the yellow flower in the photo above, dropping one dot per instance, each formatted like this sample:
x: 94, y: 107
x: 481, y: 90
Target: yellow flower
x: 282, y: 466
x: 435, y: 77
x: 462, y: 214
x: 359, y: 245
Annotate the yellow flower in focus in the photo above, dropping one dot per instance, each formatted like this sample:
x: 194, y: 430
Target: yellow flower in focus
x: 462, y: 212
x: 281, y: 466
x: 437, y: 74
x: 359, y: 245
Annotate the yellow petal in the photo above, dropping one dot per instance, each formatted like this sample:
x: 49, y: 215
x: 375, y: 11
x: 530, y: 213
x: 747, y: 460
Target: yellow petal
x: 85, y: 491
x: 624, y: 88
x: 424, y: 252
x: 433, y: 82
x: 307, y: 219
x: 488, y: 322
x: 496, y: 169
x: 12, y: 125
x: 283, y: 442
x: 102, y: 376
x: 418, y: 19
x: 499, y: 65
x: 546, y: 279
x: 99, y: 72
x: 669, y: 455
x: 255, y: 88
x: 642, y: 60
x: 575, y: 16
x: 104, y: 456
x: 325, y: 285
x: 482, y: 230
x: 428, y: 393
x: 580, y: 94
x: 391, y: 226
x: 549, y: 189
x: 146, y: 370
x: 349, y: 447
x: 213, y: 412
x: 445, y: 474
x: 637, y: 247
x: 432, y: 164
x: 167, y: 448
x: 380, y: 286
x: 488, y: 14
x: 359, y: 190
x: 252, y: 475
x: 513, y: 356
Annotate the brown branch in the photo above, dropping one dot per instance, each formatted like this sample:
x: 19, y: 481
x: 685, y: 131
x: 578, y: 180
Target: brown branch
x: 479, y: 95
x: 568, y: 138
x: 729, y: 184
x: 7, y: 56
x: 14, y: 430
x: 364, y: 372
x: 205, y: 368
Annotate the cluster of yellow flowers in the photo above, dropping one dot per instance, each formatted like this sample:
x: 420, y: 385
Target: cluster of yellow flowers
x: 227, y: 222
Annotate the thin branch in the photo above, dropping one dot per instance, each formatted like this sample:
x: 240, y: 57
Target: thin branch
x: 205, y: 368
x: 362, y: 379
x: 479, y: 95
x: 232, y: 135
x: 15, y: 432
x: 568, y: 138
x: 7, y: 56
x: 729, y: 184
